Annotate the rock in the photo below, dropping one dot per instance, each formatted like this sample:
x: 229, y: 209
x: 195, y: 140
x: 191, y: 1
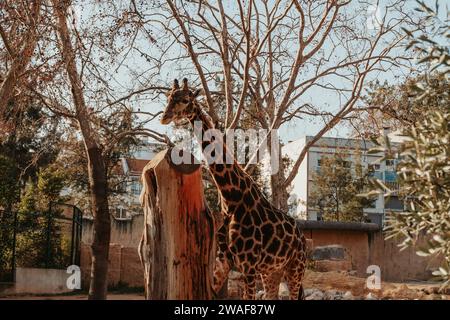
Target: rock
x: 260, y: 295
x: 370, y: 296
x: 330, y: 295
x: 316, y: 295
x: 332, y: 252
x: 283, y: 291
x: 348, y: 296
x: 309, y: 292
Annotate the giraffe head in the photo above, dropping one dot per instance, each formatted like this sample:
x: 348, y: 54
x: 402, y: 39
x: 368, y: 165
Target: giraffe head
x: 180, y: 105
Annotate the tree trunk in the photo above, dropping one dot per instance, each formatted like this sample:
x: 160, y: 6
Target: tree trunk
x: 21, y: 58
x: 98, y: 286
x: 177, y: 249
x: 279, y: 193
x: 98, y: 182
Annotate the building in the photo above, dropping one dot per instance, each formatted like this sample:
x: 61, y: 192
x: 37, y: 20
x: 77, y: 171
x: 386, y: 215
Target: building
x: 351, y: 149
x: 125, y: 203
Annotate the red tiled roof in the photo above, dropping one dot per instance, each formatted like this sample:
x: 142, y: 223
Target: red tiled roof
x: 136, y: 165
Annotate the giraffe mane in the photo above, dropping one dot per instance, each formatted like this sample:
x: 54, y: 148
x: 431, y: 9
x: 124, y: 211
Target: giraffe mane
x: 204, y: 115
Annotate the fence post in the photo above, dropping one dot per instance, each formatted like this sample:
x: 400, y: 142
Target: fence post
x: 47, y: 260
x: 13, y: 258
x: 79, y: 236
x: 72, y: 243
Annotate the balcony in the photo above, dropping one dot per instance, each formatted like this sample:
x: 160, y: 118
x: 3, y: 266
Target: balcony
x: 389, y: 178
x: 376, y: 175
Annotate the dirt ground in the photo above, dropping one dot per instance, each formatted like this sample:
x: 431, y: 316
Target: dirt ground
x: 111, y: 296
x: 324, y: 281
x: 342, y: 281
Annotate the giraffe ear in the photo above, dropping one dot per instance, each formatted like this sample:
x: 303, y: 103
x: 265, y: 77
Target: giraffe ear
x: 198, y: 92
x: 167, y: 93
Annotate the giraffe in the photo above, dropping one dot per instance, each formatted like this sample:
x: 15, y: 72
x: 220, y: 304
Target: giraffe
x: 256, y: 237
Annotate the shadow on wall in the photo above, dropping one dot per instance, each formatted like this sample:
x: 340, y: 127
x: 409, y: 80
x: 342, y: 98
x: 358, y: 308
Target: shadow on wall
x: 124, y: 269
x: 365, y: 245
x: 126, y: 232
x: 363, y: 242
x: 37, y: 281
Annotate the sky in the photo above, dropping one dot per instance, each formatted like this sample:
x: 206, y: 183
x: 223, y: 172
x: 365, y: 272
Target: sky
x: 292, y: 131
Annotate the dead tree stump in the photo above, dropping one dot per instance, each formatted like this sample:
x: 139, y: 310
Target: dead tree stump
x: 177, y: 248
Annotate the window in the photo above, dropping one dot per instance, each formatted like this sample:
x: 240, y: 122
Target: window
x: 390, y: 162
x: 371, y: 204
x: 394, y: 203
x: 319, y: 162
x: 373, y: 167
x: 136, y: 187
x: 346, y: 164
x: 121, y: 187
x: 121, y: 213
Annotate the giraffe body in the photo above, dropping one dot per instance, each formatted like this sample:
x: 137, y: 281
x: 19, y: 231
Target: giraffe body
x: 257, y: 238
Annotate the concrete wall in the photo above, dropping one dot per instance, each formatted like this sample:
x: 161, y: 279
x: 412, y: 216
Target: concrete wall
x: 355, y: 242
x: 124, y: 266
x: 364, y: 246
x: 38, y: 281
x: 399, y: 265
x: 369, y: 248
x: 126, y: 232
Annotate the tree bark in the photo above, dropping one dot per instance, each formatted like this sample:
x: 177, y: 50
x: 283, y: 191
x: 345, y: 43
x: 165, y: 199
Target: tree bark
x: 96, y: 164
x: 279, y: 190
x: 280, y: 195
x: 20, y: 58
x: 177, y: 249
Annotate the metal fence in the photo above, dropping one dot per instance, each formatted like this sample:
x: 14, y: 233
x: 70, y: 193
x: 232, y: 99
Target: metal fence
x: 8, y: 227
x: 49, y: 239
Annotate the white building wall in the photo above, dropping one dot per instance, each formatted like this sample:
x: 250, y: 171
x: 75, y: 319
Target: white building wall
x: 303, y: 183
x: 299, y: 184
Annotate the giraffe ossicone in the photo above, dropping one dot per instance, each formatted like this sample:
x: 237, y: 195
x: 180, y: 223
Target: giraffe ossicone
x: 256, y: 237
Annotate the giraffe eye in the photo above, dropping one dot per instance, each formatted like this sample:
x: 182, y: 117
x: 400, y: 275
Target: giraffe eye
x: 185, y: 101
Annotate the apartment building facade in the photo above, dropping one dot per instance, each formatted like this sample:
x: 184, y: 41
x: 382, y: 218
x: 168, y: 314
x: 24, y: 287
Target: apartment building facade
x: 353, y: 151
x: 125, y: 203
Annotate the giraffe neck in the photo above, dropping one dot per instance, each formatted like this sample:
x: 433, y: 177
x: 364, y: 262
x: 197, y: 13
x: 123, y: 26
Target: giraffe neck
x: 231, y: 180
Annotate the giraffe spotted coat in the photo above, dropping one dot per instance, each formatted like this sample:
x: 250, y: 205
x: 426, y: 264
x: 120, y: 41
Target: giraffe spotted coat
x: 257, y: 238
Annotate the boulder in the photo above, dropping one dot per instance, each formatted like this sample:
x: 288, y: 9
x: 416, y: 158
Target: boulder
x: 348, y: 296
x: 330, y: 295
x: 371, y: 296
x: 316, y: 295
x: 309, y: 291
x: 331, y: 252
x: 260, y: 295
x: 283, y: 291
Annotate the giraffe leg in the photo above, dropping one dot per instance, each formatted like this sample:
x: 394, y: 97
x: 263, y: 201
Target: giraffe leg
x: 294, y: 278
x: 250, y: 286
x: 223, y: 260
x: 271, y: 284
x: 221, y: 270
